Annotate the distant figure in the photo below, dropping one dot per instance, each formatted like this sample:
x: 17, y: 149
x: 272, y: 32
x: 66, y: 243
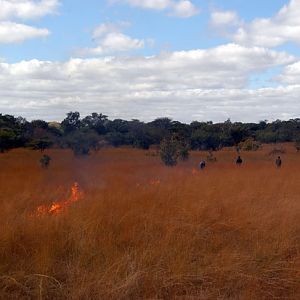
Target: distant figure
x: 278, y: 162
x: 202, y: 164
x: 45, y: 161
x: 239, y: 161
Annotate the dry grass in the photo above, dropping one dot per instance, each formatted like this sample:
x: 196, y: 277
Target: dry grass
x: 144, y: 231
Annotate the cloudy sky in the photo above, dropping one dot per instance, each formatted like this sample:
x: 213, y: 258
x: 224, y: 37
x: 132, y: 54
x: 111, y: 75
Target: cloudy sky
x: 143, y: 59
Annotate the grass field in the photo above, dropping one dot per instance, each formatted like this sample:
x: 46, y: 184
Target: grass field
x: 144, y: 231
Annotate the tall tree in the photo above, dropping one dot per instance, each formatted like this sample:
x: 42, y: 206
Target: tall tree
x: 96, y: 122
x: 71, y: 122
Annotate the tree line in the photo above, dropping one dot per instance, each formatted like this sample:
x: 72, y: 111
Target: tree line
x: 89, y: 133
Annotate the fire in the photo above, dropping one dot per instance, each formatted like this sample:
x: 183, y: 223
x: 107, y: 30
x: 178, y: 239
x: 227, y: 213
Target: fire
x: 60, y: 206
x: 194, y: 171
x: 154, y: 182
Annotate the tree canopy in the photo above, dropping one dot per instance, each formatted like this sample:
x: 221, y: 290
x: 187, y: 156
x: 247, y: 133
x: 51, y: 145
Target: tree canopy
x: 88, y: 133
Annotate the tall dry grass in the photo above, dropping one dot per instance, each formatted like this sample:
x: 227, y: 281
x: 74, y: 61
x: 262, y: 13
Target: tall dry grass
x: 144, y: 231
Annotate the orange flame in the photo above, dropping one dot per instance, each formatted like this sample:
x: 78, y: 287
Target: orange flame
x: 57, y: 207
x: 194, y: 171
x: 154, y: 182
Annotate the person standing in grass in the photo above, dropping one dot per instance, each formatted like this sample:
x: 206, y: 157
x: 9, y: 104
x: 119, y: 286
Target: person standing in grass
x: 278, y: 162
x: 45, y: 161
x: 202, y: 164
x: 239, y: 161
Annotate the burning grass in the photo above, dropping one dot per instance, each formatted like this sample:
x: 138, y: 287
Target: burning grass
x: 59, y: 207
x: 146, y: 231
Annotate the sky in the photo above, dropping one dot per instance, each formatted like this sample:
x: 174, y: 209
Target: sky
x: 143, y: 59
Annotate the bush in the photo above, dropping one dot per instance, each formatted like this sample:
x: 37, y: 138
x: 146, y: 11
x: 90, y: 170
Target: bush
x: 183, y: 149
x: 173, y: 148
x: 210, y: 157
x: 297, y: 144
x: 249, y: 145
x: 83, y: 141
x: 169, y: 151
x: 277, y: 151
x: 184, y: 153
x: 8, y: 139
x: 40, y: 144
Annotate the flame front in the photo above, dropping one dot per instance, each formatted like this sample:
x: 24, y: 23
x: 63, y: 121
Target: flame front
x: 154, y: 182
x: 57, y: 207
x: 194, y: 171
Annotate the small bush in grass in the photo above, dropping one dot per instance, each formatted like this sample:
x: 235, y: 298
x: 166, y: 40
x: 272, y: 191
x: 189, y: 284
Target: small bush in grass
x: 297, y: 144
x: 277, y: 151
x: 249, y: 145
x: 211, y: 157
x: 183, y: 150
x: 172, y: 148
x: 169, y: 151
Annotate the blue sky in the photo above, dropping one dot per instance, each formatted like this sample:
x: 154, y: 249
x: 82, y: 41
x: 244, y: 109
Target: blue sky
x: 74, y: 20
x: 185, y: 59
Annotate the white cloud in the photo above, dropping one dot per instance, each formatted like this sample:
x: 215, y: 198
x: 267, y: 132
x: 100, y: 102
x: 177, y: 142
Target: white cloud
x: 114, y: 43
x: 148, y: 4
x: 266, y: 32
x: 26, y: 9
x: 109, y: 27
x: 290, y: 74
x: 183, y: 9
x: 221, y: 18
x: 15, y: 33
x: 111, y: 40
x: 178, y: 8
x: 186, y: 85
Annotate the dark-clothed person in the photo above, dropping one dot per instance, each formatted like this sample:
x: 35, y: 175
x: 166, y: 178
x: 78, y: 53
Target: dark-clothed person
x: 202, y: 164
x: 278, y: 162
x: 45, y: 161
x: 239, y: 161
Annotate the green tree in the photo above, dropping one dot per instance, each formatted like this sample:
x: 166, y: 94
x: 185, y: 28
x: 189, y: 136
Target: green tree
x: 204, y: 140
x: 71, y: 122
x: 41, y: 144
x: 8, y: 139
x: 138, y: 135
x: 83, y: 141
x: 238, y: 133
x: 96, y: 122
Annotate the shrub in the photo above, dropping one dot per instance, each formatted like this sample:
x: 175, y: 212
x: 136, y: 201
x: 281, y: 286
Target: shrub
x: 297, y: 144
x: 83, y: 141
x: 210, y: 157
x: 183, y: 149
x: 40, y: 144
x: 8, y: 138
x: 169, y: 151
x: 249, y: 145
x: 277, y: 151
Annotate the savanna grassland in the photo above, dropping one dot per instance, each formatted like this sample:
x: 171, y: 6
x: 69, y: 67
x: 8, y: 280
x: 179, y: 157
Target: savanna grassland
x: 145, y: 231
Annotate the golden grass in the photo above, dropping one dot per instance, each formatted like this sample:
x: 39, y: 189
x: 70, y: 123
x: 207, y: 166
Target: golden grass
x: 145, y: 231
